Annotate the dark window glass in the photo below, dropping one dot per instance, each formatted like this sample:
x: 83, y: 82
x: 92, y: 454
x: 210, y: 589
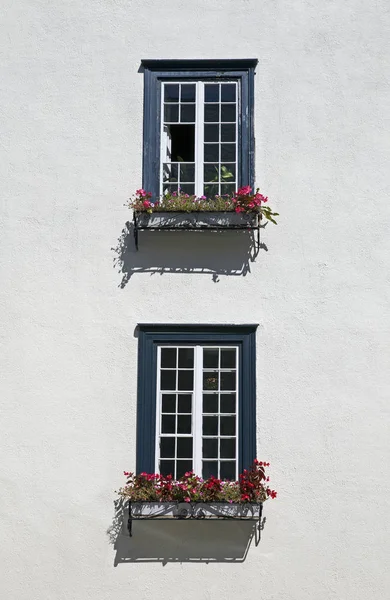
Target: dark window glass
x: 211, y: 172
x: 210, y: 358
x: 228, y: 188
x: 211, y: 152
x: 228, y: 470
x: 228, y: 425
x: 169, y: 403
x: 170, y: 173
x: 168, y: 424
x: 182, y: 142
x: 184, y: 447
x: 210, y: 403
x: 210, y: 467
x: 167, y: 447
x: 228, y: 152
x: 187, y: 113
x: 228, y: 448
x: 228, y: 133
x: 211, y: 113
x: 185, y: 380
x: 228, y: 403
x: 171, y: 187
x: 211, y: 190
x: 187, y: 173
x: 210, y: 448
x: 187, y: 188
x: 167, y: 467
x: 168, y: 358
x: 184, y: 424
x: 168, y: 380
x: 228, y: 358
x: 228, y: 92
x: 211, y: 133
x: 228, y: 112
x: 182, y: 467
x: 228, y: 380
x: 211, y: 92
x: 185, y: 401
x: 186, y: 355
x: 171, y: 92
x: 188, y: 92
x: 210, y: 425
x: 228, y: 172
x: 171, y: 113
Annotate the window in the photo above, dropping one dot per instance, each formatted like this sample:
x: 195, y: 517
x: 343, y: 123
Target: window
x: 198, y: 126
x: 196, y: 399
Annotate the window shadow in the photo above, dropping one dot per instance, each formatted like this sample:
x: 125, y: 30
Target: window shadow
x: 181, y: 541
x: 212, y: 253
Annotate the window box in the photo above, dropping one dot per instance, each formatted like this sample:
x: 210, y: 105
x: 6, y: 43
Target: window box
x: 193, y: 510
x: 193, y: 221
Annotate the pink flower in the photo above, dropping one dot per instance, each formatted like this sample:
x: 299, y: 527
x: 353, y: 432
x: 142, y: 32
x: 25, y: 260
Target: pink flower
x: 260, y: 198
x: 244, y: 190
x: 146, y: 204
x: 141, y: 193
x: 187, y: 500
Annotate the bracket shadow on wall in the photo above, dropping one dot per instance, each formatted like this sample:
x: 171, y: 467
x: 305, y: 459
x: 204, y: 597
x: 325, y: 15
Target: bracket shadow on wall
x: 187, y: 540
x: 203, y: 251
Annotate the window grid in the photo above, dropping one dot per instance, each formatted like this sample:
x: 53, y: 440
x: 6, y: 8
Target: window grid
x: 214, y: 170
x: 182, y: 414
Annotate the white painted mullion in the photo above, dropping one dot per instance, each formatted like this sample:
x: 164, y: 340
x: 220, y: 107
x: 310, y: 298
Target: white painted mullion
x: 197, y: 410
x: 199, y: 138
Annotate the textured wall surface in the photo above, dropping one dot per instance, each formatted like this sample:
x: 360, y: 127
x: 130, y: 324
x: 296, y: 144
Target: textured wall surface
x: 71, y: 144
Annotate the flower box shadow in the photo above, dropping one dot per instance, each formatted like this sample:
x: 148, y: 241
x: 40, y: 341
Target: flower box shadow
x: 182, y: 540
x: 215, y: 253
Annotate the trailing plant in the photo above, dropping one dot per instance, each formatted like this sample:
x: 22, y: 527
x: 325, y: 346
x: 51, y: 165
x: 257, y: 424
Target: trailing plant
x: 244, y: 200
x: 252, y: 486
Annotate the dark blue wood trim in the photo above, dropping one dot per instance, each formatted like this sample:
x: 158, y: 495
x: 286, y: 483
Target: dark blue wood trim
x: 156, y: 71
x: 149, y: 336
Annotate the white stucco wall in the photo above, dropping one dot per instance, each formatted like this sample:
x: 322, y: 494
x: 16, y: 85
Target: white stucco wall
x: 71, y: 123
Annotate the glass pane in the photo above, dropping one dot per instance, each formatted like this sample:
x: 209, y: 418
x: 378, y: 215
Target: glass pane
x: 228, y: 470
x: 171, y: 92
x: 187, y: 113
x: 210, y: 380
x: 210, y: 425
x: 228, y: 358
x: 228, y: 112
x: 227, y: 448
x: 184, y: 447
x: 210, y: 358
x: 168, y: 380
x: 227, y: 403
x: 228, y: 188
x: 187, y: 173
x: 184, y: 424
x: 228, y: 152
x: 167, y: 467
x: 211, y: 152
x: 210, y: 448
x: 228, y: 173
x: 185, y: 401
x: 168, y: 358
x: 167, y: 447
x: 211, y: 92
x: 169, y: 403
x: 211, y: 173
x: 228, y: 380
x: 211, y: 112
x: 182, y: 467
x: 188, y: 92
x: 211, y: 133
x: 211, y: 190
x: 170, y: 172
x: 228, y: 92
x: 172, y: 187
x: 228, y: 133
x: 171, y: 113
x: 168, y: 424
x: 210, y: 403
x: 210, y: 467
x: 228, y: 425
x: 187, y: 188
x: 185, y: 380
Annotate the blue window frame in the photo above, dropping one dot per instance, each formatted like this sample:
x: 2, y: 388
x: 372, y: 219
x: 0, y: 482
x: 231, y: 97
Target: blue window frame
x: 174, y: 92
x: 169, y: 383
